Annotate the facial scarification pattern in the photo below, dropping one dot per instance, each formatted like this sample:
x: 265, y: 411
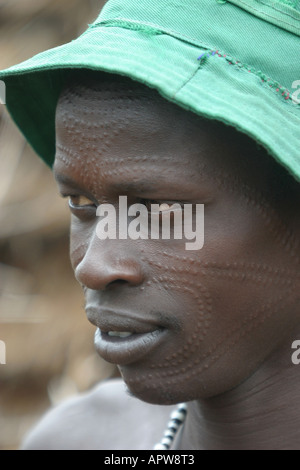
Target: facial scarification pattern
x: 193, y: 276
x: 280, y: 233
x: 280, y: 284
x: 177, y: 367
x: 167, y: 279
x: 87, y: 136
x: 94, y: 138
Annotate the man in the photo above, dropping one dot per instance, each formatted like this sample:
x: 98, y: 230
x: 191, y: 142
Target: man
x: 212, y: 328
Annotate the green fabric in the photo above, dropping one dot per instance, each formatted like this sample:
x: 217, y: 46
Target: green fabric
x: 282, y: 13
x: 229, y: 61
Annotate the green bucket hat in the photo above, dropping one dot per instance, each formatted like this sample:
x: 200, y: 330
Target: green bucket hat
x: 237, y: 61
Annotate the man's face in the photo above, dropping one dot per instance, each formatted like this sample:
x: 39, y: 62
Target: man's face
x: 180, y: 324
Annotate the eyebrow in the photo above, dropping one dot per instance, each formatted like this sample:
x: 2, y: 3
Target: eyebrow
x: 141, y: 186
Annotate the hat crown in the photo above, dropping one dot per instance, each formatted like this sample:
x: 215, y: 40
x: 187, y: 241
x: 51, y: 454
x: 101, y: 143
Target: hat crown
x: 271, y: 29
x: 236, y: 61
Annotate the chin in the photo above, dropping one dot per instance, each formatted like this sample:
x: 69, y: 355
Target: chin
x: 154, y: 397
x: 159, y: 393
x: 147, y: 390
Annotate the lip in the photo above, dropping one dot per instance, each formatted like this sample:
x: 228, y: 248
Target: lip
x: 107, y: 320
x: 146, y: 335
x: 124, y: 351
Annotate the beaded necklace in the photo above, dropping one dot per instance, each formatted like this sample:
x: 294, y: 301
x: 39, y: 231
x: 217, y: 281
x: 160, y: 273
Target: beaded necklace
x: 177, y: 418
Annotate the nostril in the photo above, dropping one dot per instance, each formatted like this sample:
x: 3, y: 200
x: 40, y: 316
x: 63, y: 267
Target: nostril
x: 117, y: 282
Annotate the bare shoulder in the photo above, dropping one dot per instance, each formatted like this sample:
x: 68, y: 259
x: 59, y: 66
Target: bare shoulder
x: 106, y: 417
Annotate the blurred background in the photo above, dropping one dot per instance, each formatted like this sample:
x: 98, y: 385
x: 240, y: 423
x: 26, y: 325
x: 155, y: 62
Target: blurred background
x: 49, y: 342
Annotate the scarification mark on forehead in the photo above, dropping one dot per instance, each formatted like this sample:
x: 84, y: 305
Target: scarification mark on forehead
x: 91, y: 135
x: 95, y: 137
x: 109, y: 160
x: 130, y: 169
x: 123, y: 86
x: 97, y: 176
x: 95, y: 115
x: 110, y: 103
x: 75, y: 125
x: 100, y: 172
x: 106, y: 102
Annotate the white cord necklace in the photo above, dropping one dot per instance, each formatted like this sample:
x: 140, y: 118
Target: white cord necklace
x: 177, y: 418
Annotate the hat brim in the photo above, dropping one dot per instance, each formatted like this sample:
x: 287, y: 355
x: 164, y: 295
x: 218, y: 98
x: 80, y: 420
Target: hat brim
x: 203, y: 81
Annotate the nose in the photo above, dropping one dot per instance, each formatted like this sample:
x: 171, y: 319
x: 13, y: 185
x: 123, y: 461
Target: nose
x: 108, y: 262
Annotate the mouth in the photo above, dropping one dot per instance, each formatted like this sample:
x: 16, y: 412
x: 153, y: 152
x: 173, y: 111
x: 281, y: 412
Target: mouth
x: 124, y: 347
x: 119, y: 334
x: 122, y: 339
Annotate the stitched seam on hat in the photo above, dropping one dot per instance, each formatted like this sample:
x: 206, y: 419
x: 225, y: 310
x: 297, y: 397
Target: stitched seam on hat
x: 270, y: 16
x: 150, y: 27
x: 271, y: 83
x: 187, y: 81
x: 281, y: 11
x: 290, y: 3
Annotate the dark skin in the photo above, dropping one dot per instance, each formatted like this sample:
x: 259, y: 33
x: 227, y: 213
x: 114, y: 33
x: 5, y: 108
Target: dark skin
x: 228, y: 313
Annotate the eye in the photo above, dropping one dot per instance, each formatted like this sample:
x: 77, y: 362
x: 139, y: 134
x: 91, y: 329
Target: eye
x: 82, y: 207
x: 79, y: 201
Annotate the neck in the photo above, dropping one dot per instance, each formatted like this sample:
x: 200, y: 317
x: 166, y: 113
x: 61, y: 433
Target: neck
x: 260, y: 414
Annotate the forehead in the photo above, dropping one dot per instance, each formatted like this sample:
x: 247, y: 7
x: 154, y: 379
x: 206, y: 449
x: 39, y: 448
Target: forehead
x: 121, y: 129
x: 107, y: 127
x: 100, y: 112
